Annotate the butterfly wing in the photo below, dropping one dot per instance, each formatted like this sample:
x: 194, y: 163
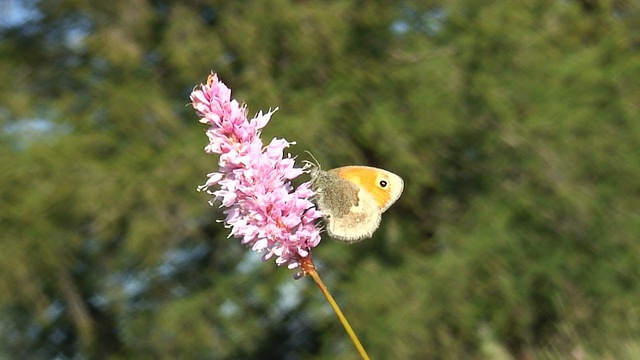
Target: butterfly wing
x: 361, y: 222
x: 351, y: 213
x: 352, y: 199
x: 383, y: 186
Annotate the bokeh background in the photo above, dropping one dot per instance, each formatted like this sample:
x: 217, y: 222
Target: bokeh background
x: 516, y: 126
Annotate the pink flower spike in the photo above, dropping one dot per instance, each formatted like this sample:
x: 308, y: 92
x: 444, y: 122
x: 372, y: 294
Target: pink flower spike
x: 253, y: 181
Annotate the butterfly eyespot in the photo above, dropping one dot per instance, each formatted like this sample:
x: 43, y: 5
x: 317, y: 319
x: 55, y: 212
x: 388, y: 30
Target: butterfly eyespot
x: 383, y: 184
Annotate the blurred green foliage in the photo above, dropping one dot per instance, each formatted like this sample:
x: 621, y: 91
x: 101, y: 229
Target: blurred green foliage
x: 514, y: 124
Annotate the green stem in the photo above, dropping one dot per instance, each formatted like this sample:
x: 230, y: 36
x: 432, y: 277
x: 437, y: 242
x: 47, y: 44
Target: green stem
x: 310, y: 269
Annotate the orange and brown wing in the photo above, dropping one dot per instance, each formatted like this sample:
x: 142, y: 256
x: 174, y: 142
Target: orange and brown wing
x: 383, y: 186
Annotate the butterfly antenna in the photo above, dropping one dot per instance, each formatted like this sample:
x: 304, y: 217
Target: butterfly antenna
x: 316, y: 165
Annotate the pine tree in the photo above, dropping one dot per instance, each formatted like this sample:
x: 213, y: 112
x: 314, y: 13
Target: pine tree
x: 513, y: 125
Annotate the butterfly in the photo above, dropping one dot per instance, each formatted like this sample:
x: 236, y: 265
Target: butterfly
x: 353, y: 198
